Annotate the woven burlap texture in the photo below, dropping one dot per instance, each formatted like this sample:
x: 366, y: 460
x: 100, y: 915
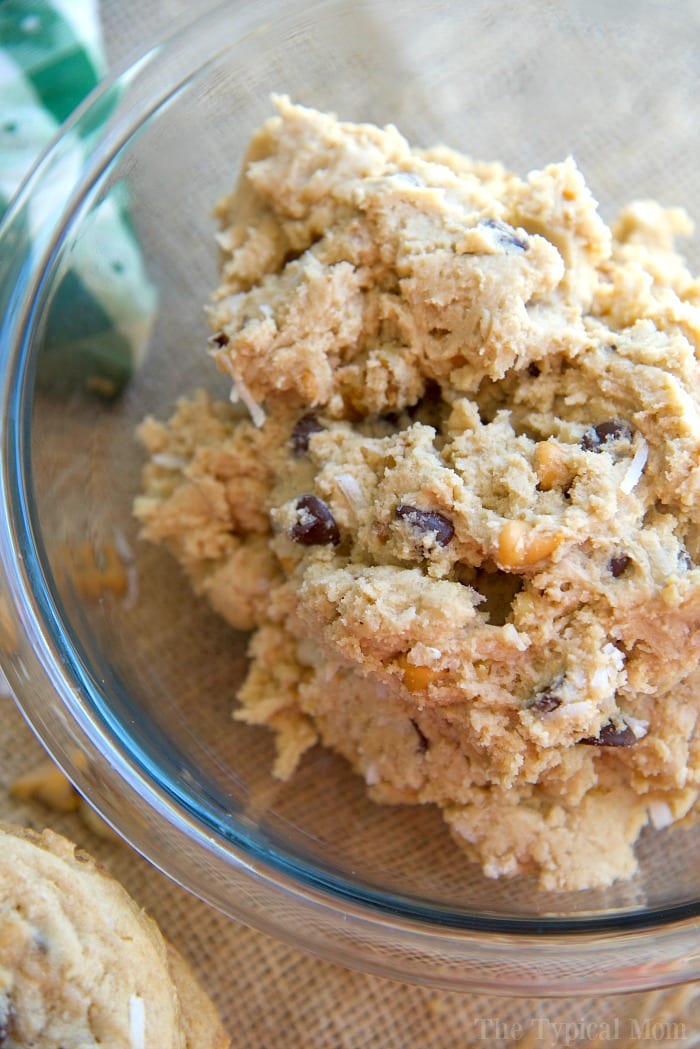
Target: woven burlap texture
x: 272, y: 996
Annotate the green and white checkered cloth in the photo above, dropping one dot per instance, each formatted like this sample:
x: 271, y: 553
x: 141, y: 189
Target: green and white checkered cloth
x: 102, y: 313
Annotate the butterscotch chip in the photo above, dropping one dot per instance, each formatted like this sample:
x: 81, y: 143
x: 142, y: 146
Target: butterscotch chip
x: 551, y: 465
x: 520, y: 546
x: 95, y: 572
x: 418, y: 678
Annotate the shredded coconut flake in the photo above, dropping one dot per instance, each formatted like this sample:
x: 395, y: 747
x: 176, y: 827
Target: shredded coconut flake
x: 224, y: 240
x: 512, y: 636
x: 600, y: 681
x: 613, y: 652
x: 170, y: 462
x: 350, y: 489
x: 123, y: 548
x: 639, y: 727
x: 137, y: 1022
x: 581, y: 708
x: 423, y: 655
x: 406, y: 178
x: 576, y: 678
x: 372, y: 776
x: 239, y: 391
x: 122, y: 545
x: 660, y: 814
x: 132, y: 587
x: 635, y: 468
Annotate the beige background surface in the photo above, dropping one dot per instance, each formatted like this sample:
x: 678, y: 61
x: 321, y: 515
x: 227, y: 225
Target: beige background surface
x: 270, y: 995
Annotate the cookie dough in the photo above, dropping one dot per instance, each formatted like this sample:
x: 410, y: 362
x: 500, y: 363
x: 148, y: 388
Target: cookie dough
x: 460, y: 512
x: 81, y: 964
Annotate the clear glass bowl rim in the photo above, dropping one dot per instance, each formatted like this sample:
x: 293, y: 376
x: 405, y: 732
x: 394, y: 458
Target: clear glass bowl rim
x: 241, y: 880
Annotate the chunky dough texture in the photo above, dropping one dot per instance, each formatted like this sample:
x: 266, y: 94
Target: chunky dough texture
x: 463, y: 519
x: 81, y: 965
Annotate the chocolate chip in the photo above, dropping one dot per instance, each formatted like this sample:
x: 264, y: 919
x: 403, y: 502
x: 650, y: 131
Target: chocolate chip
x: 428, y: 522
x: 423, y: 741
x: 597, y: 436
x: 545, y: 703
x: 618, y: 565
x: 303, y: 428
x: 506, y: 236
x: 534, y: 370
x: 221, y: 339
x: 611, y: 735
x: 547, y: 698
x: 315, y: 525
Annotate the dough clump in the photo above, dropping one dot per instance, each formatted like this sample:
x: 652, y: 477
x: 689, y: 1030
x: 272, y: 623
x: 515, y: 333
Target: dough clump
x: 461, y: 511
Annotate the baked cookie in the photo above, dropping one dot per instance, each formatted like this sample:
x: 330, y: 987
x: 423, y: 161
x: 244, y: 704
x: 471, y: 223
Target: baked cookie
x: 463, y: 516
x: 81, y: 965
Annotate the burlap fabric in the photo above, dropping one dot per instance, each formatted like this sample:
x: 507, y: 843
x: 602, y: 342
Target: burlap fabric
x: 273, y: 997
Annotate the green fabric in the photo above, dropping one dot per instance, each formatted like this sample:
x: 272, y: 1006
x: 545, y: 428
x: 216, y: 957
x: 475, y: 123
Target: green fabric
x: 101, y: 316
x: 82, y: 348
x: 53, y: 59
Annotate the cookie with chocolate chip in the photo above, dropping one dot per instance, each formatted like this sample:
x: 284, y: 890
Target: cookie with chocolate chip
x: 81, y: 964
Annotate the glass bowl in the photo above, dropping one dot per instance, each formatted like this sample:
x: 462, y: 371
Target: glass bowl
x: 132, y: 692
